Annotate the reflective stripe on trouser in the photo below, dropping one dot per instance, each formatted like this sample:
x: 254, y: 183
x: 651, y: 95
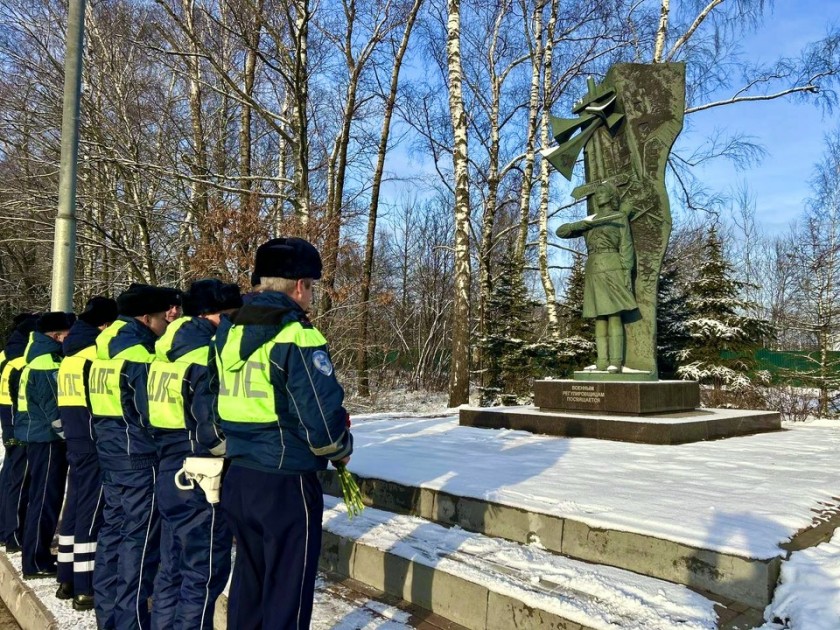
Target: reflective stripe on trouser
x: 80, y: 522
x: 48, y: 472
x: 127, y: 550
x: 195, y: 558
x: 15, y: 490
x: 276, y: 521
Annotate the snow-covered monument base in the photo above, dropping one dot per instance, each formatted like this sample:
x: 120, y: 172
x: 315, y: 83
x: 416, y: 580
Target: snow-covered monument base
x: 650, y: 412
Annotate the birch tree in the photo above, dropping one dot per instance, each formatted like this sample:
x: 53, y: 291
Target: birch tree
x: 459, y: 371
x: 389, y: 103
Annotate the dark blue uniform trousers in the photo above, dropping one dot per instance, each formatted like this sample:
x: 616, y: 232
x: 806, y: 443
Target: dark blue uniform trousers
x: 127, y: 551
x: 80, y: 522
x: 276, y: 521
x: 195, y: 549
x: 48, y: 472
x: 15, y: 495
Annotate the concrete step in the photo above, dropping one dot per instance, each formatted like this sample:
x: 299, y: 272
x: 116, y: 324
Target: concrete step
x: 485, y: 583
x: 345, y: 604
x: 340, y: 604
x: 746, y: 580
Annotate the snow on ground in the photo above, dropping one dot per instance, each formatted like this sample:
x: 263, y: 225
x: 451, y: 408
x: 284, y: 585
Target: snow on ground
x: 407, y: 401
x: 340, y: 609
x: 808, y: 595
x: 741, y: 495
x: 594, y: 596
x: 68, y: 619
x: 336, y: 608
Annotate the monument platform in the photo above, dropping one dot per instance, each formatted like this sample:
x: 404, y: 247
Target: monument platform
x: 659, y: 412
x: 668, y: 428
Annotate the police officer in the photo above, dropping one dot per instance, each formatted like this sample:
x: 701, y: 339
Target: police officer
x: 195, y: 540
x: 82, y: 514
x: 175, y: 310
x: 14, y: 477
x: 37, y: 425
x: 281, y: 410
x: 127, y: 550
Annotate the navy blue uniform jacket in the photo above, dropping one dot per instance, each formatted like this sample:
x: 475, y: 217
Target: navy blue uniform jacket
x: 36, y: 424
x: 124, y: 442
x: 77, y: 422
x: 311, y: 426
x: 203, y: 436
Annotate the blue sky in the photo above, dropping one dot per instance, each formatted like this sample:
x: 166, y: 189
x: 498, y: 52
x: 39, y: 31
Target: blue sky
x: 791, y: 132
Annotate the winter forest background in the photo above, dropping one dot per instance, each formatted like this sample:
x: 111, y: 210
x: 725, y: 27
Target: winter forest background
x: 403, y: 137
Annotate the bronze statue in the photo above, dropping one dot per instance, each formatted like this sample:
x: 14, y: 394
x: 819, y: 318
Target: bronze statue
x: 625, y: 127
x: 608, y: 285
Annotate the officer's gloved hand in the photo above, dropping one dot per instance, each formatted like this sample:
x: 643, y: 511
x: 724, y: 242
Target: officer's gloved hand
x: 56, y: 425
x: 220, y: 449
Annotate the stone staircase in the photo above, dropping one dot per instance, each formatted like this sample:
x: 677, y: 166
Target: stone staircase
x: 488, y: 583
x: 455, y: 583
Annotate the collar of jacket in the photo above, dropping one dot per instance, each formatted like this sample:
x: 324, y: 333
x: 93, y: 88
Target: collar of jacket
x: 16, y: 346
x: 82, y: 335
x: 124, y: 333
x: 261, y: 318
x: 183, y: 336
x: 39, y: 345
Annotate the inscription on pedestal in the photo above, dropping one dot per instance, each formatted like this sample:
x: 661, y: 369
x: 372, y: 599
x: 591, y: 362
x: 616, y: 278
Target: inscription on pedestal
x: 589, y: 396
x: 631, y: 397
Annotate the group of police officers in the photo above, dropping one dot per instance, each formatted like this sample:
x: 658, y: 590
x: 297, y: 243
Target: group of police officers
x: 141, y: 412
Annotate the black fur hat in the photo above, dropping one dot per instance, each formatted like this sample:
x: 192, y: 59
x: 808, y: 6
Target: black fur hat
x: 99, y: 310
x: 24, y: 323
x: 22, y: 317
x: 55, y: 321
x: 291, y: 258
x: 210, y: 296
x: 143, y: 299
x: 175, y: 296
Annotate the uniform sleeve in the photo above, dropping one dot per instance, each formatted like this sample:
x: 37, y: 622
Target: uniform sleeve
x: 573, y: 230
x: 42, y: 397
x: 14, y: 388
x: 315, y: 397
x: 201, y: 401
x: 137, y: 410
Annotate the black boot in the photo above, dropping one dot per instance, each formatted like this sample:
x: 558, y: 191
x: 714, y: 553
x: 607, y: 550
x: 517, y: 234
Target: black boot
x: 65, y: 590
x: 83, y: 602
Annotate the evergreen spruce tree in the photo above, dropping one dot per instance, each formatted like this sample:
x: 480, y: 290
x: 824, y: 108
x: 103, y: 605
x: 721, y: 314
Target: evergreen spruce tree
x: 571, y: 308
x: 577, y: 347
x: 722, y: 339
x: 510, y: 327
x: 672, y: 313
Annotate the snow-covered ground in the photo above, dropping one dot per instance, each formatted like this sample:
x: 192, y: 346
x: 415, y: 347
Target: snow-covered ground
x: 808, y: 595
x: 336, y: 608
x: 742, y: 495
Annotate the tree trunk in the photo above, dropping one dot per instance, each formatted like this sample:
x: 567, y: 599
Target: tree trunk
x: 248, y: 201
x: 488, y: 220
x: 459, y: 371
x: 300, y: 89
x: 370, y: 241
x: 545, y: 275
x: 533, y: 111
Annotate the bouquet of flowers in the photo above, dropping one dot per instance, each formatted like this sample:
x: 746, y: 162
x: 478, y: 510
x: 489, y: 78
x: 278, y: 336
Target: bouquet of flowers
x: 350, y: 490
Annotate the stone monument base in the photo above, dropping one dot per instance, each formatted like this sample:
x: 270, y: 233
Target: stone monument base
x: 629, y: 397
x: 661, y: 412
x: 670, y: 428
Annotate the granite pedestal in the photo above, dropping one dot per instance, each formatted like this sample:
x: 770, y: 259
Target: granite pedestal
x: 657, y: 412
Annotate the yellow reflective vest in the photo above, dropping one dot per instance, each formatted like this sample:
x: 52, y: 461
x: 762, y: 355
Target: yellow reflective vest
x: 166, y: 380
